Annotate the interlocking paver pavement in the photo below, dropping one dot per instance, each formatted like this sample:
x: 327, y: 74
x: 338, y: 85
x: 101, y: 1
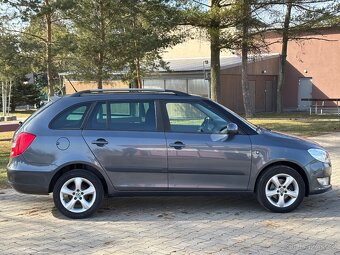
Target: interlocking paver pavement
x: 228, y: 224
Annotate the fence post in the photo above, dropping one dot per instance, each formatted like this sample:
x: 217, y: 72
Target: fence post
x: 316, y: 107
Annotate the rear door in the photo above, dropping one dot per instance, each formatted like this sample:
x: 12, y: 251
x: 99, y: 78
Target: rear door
x: 127, y: 141
x: 199, y: 156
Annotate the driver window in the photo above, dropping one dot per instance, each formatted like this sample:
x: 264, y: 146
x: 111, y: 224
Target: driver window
x: 192, y: 117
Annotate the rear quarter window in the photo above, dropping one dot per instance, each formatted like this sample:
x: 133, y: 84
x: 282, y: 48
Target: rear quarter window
x: 71, y: 118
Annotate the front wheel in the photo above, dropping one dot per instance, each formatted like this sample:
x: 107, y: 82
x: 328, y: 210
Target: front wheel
x: 280, y: 189
x: 78, y: 193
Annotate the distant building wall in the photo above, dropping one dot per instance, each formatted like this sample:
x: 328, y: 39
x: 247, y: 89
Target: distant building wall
x: 198, y: 46
x: 84, y: 85
x: 262, y: 88
x: 262, y: 81
x: 317, y: 59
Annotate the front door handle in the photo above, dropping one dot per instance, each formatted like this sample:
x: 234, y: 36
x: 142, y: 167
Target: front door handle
x: 100, y: 142
x: 177, y: 145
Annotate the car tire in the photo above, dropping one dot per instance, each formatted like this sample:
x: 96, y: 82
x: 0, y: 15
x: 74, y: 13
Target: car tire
x: 78, y: 194
x: 280, y: 189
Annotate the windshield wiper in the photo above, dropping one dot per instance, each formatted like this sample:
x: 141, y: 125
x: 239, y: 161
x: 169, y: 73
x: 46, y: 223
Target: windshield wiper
x: 259, y: 128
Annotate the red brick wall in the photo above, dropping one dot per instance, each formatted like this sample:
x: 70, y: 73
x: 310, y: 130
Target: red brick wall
x: 314, y: 58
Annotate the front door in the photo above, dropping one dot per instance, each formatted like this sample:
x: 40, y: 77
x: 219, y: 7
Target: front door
x: 269, y: 96
x: 199, y: 156
x: 124, y: 138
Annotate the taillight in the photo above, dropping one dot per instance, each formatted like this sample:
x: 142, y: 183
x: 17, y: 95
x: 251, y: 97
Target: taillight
x: 21, y: 142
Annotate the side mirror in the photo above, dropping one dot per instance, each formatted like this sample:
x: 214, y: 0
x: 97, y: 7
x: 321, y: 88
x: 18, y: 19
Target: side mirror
x: 232, y: 129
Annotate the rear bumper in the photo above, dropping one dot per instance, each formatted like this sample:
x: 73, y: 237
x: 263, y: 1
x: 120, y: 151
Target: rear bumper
x: 30, y: 179
x: 27, y: 182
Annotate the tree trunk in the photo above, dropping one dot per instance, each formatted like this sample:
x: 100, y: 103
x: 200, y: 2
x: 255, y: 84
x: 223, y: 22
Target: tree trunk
x: 101, y: 52
x: 137, y: 81
x: 247, y: 102
x: 9, y: 96
x: 49, y: 57
x: 283, y: 59
x: 100, y: 71
x: 215, y: 65
x: 138, y: 74
x: 3, y: 94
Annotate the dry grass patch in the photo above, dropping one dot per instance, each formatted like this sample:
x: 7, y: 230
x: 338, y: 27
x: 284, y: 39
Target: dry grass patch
x: 4, y: 157
x: 300, y: 127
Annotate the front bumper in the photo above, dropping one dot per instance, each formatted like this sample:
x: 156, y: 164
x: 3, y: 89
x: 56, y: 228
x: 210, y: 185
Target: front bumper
x: 317, y: 169
x: 30, y: 179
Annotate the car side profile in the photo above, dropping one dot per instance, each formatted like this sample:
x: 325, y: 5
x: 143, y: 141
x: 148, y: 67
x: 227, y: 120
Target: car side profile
x: 98, y: 143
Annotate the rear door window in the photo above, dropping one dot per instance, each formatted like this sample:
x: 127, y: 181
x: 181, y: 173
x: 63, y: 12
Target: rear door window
x: 72, y: 118
x: 137, y: 116
x: 123, y: 116
x: 98, y: 119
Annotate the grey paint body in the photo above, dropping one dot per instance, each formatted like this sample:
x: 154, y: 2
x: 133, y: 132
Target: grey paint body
x: 144, y: 162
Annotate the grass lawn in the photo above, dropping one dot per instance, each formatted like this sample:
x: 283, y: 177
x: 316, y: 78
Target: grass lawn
x: 295, y: 115
x: 22, y: 115
x: 5, y: 148
x: 4, y: 156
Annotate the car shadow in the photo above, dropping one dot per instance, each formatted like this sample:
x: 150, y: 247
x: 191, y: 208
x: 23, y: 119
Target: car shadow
x: 187, y: 208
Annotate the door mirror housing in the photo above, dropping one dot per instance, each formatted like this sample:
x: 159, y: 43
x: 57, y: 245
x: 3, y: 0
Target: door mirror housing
x: 230, y: 129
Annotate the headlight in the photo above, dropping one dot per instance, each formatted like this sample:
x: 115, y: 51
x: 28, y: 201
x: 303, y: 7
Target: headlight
x: 320, y: 155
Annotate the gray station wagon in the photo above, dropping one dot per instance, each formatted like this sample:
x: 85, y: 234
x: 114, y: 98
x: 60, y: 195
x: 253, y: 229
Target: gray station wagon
x: 151, y: 142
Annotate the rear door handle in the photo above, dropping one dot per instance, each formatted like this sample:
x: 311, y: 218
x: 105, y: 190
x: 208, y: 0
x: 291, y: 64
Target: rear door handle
x: 100, y: 142
x: 177, y: 145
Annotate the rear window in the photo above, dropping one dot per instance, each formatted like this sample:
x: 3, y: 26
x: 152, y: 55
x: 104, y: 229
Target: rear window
x: 36, y: 113
x: 71, y: 118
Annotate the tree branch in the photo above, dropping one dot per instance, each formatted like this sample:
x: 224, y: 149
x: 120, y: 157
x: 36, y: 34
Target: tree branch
x: 293, y: 38
x: 29, y: 34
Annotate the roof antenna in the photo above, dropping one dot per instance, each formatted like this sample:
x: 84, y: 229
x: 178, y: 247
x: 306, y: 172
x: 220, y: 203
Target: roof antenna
x: 71, y: 83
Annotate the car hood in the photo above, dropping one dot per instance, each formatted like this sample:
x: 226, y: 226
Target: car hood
x: 288, y: 140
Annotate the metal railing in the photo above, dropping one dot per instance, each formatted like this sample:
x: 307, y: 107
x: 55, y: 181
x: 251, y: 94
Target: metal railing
x: 319, y: 105
x: 4, y: 127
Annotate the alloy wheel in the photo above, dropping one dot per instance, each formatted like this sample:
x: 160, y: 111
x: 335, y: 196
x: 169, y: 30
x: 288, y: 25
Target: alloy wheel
x: 282, y: 190
x: 77, y: 194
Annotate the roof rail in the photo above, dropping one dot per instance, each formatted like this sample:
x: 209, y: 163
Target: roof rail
x: 103, y: 91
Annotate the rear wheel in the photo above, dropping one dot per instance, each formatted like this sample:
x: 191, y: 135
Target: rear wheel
x: 78, y: 193
x: 280, y: 189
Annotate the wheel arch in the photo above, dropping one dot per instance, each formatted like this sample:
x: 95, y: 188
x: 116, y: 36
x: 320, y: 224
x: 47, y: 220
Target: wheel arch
x: 78, y: 165
x: 292, y: 165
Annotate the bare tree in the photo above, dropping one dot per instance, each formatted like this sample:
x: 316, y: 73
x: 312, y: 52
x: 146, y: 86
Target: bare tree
x: 245, y: 36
